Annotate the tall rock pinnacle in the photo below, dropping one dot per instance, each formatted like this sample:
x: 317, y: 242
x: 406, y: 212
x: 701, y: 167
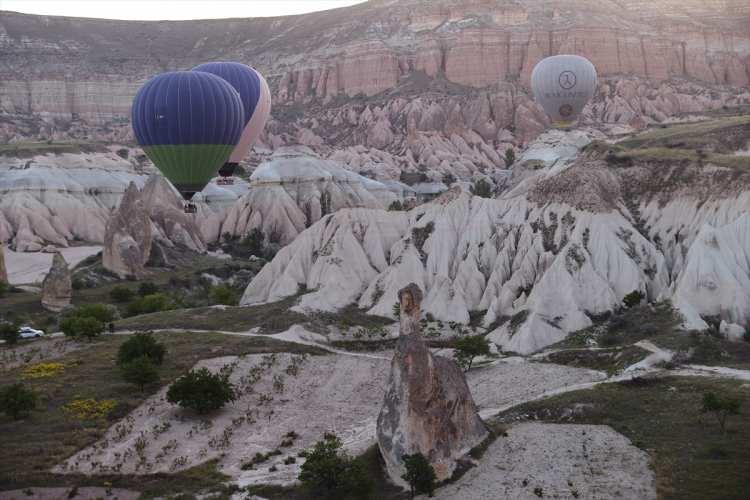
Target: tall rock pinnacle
x: 428, y: 408
x: 57, y: 288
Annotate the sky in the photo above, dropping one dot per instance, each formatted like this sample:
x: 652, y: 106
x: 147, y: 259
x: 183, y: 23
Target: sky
x: 171, y: 9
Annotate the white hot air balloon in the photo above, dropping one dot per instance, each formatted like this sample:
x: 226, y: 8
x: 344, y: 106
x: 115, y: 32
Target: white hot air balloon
x: 563, y: 85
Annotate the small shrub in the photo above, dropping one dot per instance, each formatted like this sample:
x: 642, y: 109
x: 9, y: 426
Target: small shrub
x: 100, y: 312
x: 290, y: 460
x: 329, y: 472
x: 449, y: 179
x: 149, y: 304
x: 139, y: 345
x: 468, y: 348
x: 87, y: 409
x: 85, y: 327
x: 633, y: 298
x: 746, y: 336
x: 202, y: 391
x: 4, y: 288
x: 396, y: 206
x: 16, y: 400
x: 140, y: 372
x: 482, y: 188
x: 147, y: 288
x: 721, y: 407
x: 9, y: 333
x: 43, y: 370
x: 510, y: 157
x: 225, y: 295
x: 121, y: 294
x: 419, y: 474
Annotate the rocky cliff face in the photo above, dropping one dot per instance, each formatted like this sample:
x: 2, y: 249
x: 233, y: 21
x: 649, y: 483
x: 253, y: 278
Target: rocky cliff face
x: 428, y: 407
x: 571, y: 235
x: 66, y: 77
x: 57, y: 287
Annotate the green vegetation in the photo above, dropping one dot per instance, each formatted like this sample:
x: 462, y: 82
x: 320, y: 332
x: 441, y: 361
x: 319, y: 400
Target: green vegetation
x: 4, y: 288
x: 34, y: 445
x: 468, y: 348
x: 81, y: 327
x: 482, y: 188
x: 141, y: 344
x: 202, y: 391
x: 224, y: 295
x: 141, y: 372
x: 147, y: 304
x: 419, y: 474
x: 328, y: 472
x: 147, y: 288
x: 121, y: 293
x: 396, y: 206
x: 510, y: 157
x: 16, y: 400
x: 721, y: 406
x: 9, y: 333
x: 633, y: 298
x: 29, y: 149
x: 611, y: 361
x: 663, y: 416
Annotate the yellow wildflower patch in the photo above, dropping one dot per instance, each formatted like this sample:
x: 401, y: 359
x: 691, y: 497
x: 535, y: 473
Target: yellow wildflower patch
x: 42, y: 370
x: 89, y: 409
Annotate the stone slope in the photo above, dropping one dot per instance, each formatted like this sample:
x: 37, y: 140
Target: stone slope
x: 568, y: 240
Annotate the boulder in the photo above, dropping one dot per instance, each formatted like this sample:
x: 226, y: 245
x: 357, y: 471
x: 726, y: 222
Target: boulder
x: 428, y: 408
x: 127, y: 238
x: 57, y: 287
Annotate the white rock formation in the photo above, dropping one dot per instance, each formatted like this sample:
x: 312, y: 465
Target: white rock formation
x: 294, y: 189
x: 569, y: 240
x: 60, y: 198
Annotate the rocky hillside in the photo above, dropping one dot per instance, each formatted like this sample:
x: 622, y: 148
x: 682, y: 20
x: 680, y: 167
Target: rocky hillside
x: 352, y: 76
x: 583, y: 223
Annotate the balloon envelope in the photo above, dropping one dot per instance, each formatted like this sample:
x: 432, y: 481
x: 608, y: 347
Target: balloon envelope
x: 188, y: 123
x: 255, y: 96
x: 563, y: 85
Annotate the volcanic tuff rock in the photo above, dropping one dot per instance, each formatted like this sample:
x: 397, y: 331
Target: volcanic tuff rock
x: 57, y: 288
x: 128, y: 237
x: 428, y: 407
x: 568, y: 239
x: 293, y: 189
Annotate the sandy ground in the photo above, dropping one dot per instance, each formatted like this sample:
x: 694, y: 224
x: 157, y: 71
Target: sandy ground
x: 32, y: 267
x: 84, y: 493
x: 340, y: 392
x: 34, y: 351
x: 558, y: 461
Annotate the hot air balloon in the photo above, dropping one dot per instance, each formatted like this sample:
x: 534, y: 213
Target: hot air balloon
x: 256, y: 102
x: 563, y: 85
x: 188, y: 123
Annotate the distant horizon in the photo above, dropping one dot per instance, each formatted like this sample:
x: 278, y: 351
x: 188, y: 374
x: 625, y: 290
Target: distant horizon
x: 171, y: 10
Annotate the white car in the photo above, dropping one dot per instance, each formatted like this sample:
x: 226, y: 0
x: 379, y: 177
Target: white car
x: 26, y: 332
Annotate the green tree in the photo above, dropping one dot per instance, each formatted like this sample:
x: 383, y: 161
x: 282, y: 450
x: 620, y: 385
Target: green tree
x: 9, y: 333
x: 202, y: 391
x: 396, y: 206
x: 16, y: 400
x: 633, y: 298
x: 4, y: 287
x: 147, y: 288
x: 510, y: 157
x: 328, y: 472
x: 482, y: 188
x: 449, y: 179
x: 139, y: 345
x: 101, y: 312
x: 140, y: 372
x: 419, y: 474
x: 223, y: 294
x: 255, y: 242
x: 721, y: 407
x: 149, y: 304
x: 121, y: 294
x: 468, y: 348
x: 86, y: 327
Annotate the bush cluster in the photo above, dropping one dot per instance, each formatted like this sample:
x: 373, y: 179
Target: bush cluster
x: 87, y: 321
x: 328, y: 472
x: 202, y: 391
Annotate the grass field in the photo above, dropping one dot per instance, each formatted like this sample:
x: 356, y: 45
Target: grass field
x: 35, y: 444
x: 691, y: 458
x: 29, y: 149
